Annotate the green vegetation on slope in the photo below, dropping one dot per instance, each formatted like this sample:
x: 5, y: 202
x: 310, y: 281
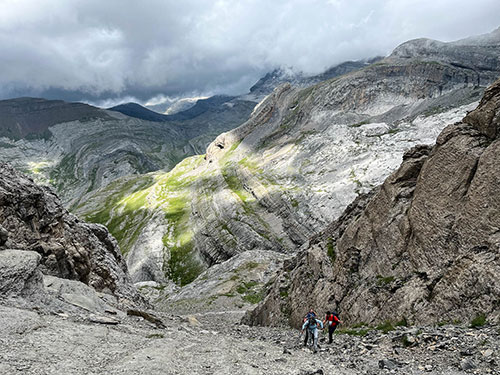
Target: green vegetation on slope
x: 174, y: 194
x: 130, y: 204
x: 129, y: 199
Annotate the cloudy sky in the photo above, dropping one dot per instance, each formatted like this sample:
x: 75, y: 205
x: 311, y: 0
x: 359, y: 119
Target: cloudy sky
x: 119, y: 50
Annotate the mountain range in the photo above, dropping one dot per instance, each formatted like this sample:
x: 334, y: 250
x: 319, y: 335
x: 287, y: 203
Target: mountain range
x: 297, y: 160
x: 373, y: 193
x: 295, y: 165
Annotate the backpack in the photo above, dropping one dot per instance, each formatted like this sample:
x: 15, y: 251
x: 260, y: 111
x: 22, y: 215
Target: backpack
x: 311, y: 323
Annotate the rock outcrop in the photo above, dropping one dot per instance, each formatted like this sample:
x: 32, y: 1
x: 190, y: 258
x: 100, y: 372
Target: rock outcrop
x: 56, y: 243
x: 423, y: 247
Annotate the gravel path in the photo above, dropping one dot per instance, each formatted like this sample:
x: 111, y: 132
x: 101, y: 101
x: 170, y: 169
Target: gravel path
x: 35, y: 343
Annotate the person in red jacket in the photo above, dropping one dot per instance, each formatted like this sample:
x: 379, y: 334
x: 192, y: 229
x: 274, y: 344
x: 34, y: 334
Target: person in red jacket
x: 331, y: 321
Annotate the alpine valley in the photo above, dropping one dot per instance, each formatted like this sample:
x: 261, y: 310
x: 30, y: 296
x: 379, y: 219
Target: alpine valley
x: 372, y: 188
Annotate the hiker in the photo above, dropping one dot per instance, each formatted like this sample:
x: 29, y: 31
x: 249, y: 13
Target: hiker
x: 311, y: 328
x: 310, y: 314
x: 331, y: 320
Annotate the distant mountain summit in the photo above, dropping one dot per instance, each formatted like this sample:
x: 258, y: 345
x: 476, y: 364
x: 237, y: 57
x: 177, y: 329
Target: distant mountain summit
x: 211, y: 104
x: 271, y: 80
x: 182, y: 105
x: 478, y: 53
x: 138, y: 111
x: 32, y: 117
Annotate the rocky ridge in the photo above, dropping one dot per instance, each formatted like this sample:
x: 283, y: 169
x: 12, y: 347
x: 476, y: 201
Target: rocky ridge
x: 423, y: 247
x: 295, y: 165
x: 32, y: 117
x: 271, y: 80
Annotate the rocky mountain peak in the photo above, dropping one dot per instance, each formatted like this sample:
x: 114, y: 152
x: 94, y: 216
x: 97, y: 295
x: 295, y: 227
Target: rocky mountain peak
x: 477, y: 53
x: 32, y: 117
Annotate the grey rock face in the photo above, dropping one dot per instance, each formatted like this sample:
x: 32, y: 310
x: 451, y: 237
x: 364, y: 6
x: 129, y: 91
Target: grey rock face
x: 67, y: 247
x: 4, y: 235
x: 20, y: 276
x: 425, y: 247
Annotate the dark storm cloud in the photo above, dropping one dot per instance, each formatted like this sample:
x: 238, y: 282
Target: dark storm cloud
x: 115, y: 49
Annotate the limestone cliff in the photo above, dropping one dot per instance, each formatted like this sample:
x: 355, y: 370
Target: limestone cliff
x: 423, y: 247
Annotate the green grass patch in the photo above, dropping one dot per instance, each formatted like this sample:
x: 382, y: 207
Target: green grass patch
x: 381, y: 280
x: 251, y: 165
x: 330, y: 250
x: 385, y: 327
x: 406, y: 343
x: 155, y: 336
x: 402, y: 323
x: 235, y: 185
x: 478, y: 321
x: 253, y: 298
x: 249, y: 266
x: 224, y: 159
x: 295, y: 202
x: 129, y: 198
x: 284, y: 293
x: 358, y: 124
x: 249, y: 292
x: 245, y: 287
x: 183, y: 268
x: 353, y: 178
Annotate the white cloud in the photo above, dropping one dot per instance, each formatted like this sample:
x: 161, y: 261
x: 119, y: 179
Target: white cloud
x: 143, y: 49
